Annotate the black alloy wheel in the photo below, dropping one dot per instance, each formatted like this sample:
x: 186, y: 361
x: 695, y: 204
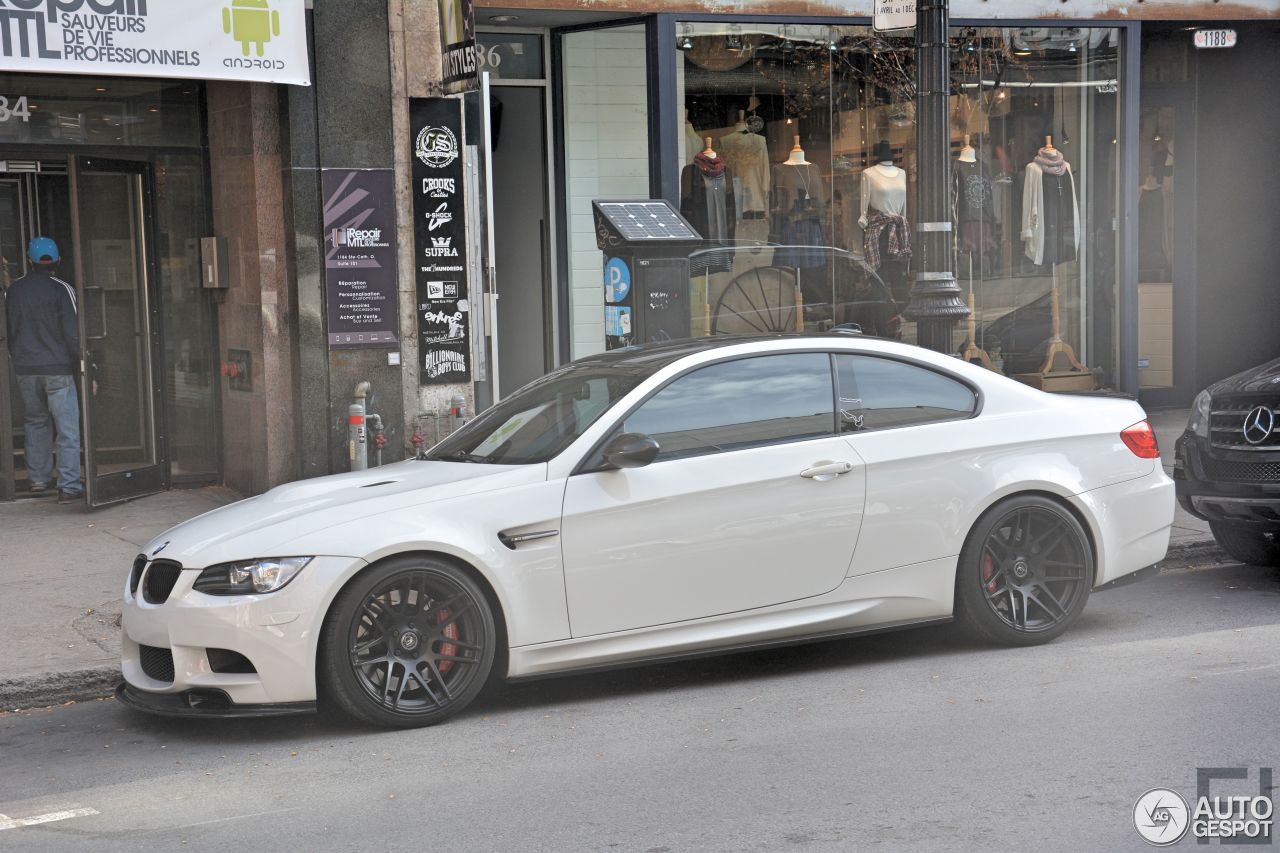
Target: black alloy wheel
x: 1249, y: 545
x: 409, y: 642
x: 1025, y: 572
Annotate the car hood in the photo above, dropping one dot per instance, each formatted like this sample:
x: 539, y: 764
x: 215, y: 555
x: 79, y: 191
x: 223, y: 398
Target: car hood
x: 252, y: 527
x: 1263, y: 379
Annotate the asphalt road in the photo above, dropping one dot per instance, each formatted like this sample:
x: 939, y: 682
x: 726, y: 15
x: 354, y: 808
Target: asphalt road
x: 916, y: 740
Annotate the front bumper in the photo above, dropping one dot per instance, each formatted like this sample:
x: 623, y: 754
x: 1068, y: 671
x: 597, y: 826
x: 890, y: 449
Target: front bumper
x: 203, y: 703
x: 1227, y: 487
x: 182, y: 654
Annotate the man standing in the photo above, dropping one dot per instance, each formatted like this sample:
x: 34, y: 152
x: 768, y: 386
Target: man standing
x: 44, y: 346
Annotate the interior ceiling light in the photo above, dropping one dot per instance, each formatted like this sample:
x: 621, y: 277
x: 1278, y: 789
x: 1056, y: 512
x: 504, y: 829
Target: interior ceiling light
x: 503, y: 19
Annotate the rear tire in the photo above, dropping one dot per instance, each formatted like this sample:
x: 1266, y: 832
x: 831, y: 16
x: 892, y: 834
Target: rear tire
x: 1024, y: 573
x: 408, y: 642
x: 1248, y: 545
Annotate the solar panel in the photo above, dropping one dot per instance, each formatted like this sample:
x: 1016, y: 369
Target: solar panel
x: 645, y: 221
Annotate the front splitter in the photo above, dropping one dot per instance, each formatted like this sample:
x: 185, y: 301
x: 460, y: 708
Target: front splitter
x: 203, y: 703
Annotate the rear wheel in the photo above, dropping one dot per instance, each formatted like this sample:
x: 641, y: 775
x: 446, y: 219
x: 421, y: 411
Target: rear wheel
x: 1255, y: 547
x: 1024, y: 573
x: 409, y: 642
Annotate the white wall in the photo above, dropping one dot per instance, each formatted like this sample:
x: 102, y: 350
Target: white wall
x: 606, y: 156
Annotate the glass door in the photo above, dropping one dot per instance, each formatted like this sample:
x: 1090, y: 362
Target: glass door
x: 109, y: 202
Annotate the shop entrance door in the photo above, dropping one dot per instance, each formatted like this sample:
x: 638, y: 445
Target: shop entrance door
x: 113, y: 276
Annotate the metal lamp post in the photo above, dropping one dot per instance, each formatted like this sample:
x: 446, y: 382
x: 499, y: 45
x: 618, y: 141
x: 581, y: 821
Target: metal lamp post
x: 935, y: 302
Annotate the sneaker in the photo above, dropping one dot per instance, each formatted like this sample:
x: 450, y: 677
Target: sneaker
x: 69, y: 497
x: 37, y: 488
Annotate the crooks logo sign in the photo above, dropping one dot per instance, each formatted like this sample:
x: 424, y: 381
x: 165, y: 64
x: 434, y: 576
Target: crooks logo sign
x: 436, y: 147
x: 262, y: 40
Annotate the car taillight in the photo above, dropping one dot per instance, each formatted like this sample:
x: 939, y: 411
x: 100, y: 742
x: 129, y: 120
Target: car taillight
x: 1141, y: 439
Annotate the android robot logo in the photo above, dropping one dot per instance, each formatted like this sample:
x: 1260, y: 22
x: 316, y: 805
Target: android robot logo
x: 251, y: 22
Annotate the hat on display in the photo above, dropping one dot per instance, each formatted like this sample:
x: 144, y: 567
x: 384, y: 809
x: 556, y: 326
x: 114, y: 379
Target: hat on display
x: 42, y: 250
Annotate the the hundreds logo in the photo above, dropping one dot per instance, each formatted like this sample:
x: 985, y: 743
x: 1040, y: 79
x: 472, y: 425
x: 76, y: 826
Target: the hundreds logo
x: 437, y: 187
x: 441, y: 247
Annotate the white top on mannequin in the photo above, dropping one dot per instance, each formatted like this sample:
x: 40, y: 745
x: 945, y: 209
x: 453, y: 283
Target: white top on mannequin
x: 884, y: 187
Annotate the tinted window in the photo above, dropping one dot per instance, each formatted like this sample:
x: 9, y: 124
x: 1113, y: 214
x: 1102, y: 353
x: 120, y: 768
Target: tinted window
x: 878, y: 393
x: 737, y: 404
x: 542, y: 418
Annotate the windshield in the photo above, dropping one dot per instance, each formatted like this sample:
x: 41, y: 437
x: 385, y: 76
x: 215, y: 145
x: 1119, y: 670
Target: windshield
x: 542, y: 418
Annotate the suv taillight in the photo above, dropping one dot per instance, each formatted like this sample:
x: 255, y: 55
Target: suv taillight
x: 1141, y: 439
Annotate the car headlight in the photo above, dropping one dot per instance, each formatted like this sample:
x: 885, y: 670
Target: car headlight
x: 1198, y: 423
x: 249, y: 577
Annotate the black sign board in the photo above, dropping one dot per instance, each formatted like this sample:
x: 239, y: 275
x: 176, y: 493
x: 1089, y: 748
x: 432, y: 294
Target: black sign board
x: 440, y: 241
x: 458, y: 46
x: 362, y: 303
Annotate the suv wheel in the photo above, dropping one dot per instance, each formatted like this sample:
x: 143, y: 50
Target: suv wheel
x: 1247, y: 544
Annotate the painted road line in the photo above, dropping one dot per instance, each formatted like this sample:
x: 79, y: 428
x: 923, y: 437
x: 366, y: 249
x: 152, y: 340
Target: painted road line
x: 19, y: 822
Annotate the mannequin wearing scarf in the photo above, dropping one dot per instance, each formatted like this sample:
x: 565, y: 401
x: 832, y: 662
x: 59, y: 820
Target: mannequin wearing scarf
x: 706, y: 200
x: 1050, y: 216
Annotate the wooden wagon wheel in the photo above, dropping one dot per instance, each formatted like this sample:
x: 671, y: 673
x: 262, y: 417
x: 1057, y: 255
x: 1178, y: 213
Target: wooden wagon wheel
x: 759, y: 301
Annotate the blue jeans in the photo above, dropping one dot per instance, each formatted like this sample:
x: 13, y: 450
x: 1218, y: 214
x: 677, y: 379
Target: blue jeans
x: 50, y: 402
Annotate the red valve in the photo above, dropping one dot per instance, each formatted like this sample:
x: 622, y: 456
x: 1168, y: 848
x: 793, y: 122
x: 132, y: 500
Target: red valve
x: 417, y: 440
x: 379, y: 440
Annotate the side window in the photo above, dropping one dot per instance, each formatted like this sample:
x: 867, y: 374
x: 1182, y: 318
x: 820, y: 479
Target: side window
x: 736, y: 404
x: 879, y: 393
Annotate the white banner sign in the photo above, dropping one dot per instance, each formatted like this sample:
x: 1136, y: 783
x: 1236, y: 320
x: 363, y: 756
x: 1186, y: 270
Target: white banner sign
x: 262, y: 40
x: 893, y: 15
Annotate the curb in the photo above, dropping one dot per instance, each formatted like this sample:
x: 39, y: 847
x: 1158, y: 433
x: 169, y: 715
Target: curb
x: 55, y: 688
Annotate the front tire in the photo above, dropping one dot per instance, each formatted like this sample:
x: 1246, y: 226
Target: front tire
x: 409, y: 642
x: 1255, y: 547
x: 1024, y: 573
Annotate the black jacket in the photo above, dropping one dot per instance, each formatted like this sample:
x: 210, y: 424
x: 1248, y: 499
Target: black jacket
x: 44, y: 336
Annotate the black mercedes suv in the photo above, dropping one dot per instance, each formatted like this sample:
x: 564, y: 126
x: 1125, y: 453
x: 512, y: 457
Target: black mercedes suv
x: 1227, y: 468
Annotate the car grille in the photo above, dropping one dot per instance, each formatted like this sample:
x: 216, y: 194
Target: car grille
x: 1242, y: 472
x: 135, y: 574
x: 159, y: 580
x: 1226, y: 423
x: 157, y: 663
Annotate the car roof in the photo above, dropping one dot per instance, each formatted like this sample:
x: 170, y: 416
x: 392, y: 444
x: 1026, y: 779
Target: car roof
x: 655, y: 355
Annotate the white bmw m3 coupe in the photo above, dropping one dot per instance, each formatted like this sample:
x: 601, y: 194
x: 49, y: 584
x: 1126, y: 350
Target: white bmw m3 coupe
x: 669, y: 500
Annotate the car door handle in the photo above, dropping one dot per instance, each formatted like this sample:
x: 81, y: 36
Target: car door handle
x: 827, y: 470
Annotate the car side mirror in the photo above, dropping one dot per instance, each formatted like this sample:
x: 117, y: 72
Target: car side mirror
x: 630, y: 450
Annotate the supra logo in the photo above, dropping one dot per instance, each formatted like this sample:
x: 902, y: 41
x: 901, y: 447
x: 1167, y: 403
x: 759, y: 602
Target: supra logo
x: 441, y: 247
x: 1161, y: 817
x: 436, y: 147
x: 1258, y: 424
x: 438, y: 217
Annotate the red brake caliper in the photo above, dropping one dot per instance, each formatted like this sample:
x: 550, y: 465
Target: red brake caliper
x: 988, y: 569
x: 450, y: 631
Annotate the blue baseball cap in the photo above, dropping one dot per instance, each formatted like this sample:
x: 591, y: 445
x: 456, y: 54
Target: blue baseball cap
x: 42, y: 250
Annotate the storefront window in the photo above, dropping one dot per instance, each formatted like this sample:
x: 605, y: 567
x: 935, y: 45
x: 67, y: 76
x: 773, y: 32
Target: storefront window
x: 110, y: 111
x: 798, y: 168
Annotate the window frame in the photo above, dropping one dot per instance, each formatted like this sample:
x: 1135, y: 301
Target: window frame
x: 970, y: 386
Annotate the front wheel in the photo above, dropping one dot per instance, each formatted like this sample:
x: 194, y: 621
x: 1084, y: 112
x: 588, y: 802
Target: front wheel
x: 1024, y: 573
x: 409, y: 642
x: 1255, y: 547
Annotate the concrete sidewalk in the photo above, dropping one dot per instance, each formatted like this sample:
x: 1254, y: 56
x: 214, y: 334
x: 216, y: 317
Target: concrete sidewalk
x: 62, y: 573
x: 63, y: 570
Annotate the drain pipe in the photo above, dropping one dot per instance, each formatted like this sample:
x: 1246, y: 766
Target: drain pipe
x: 357, y: 433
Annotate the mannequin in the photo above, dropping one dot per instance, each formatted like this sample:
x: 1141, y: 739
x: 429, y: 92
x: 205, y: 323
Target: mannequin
x: 972, y: 203
x: 886, y: 237
x: 692, y: 142
x: 799, y: 209
x: 884, y: 185
x: 706, y: 200
x: 747, y: 155
x: 1050, y: 216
